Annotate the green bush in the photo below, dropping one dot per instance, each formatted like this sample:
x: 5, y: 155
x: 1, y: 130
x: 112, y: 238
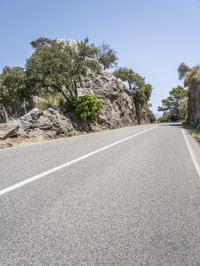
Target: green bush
x: 86, y: 107
x: 165, y: 118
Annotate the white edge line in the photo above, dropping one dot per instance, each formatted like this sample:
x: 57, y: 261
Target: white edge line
x: 36, y: 177
x: 197, y: 167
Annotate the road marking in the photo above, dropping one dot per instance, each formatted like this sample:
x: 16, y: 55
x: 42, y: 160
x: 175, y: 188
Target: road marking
x: 36, y: 177
x: 197, y: 167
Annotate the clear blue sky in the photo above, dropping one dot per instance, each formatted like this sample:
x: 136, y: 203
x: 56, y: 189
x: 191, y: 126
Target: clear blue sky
x: 151, y: 36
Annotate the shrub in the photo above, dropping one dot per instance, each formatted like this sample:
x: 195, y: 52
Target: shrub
x: 86, y: 107
x: 165, y: 118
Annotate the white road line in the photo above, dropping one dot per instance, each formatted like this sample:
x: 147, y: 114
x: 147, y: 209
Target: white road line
x: 36, y: 177
x: 197, y: 167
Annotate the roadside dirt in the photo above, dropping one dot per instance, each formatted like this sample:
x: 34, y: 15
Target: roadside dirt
x: 193, y: 132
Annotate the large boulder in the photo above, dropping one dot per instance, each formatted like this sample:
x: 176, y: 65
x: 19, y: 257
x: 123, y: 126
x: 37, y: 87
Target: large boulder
x: 49, y: 123
x: 9, y: 131
x: 118, y: 102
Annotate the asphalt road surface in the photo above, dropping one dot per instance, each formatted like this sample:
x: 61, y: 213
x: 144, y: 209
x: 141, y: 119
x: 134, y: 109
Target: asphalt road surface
x: 129, y: 196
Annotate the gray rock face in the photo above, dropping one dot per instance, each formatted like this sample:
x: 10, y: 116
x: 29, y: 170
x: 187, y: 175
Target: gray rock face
x: 118, y: 103
x: 194, y: 106
x: 118, y: 111
x: 48, y: 123
x: 9, y: 131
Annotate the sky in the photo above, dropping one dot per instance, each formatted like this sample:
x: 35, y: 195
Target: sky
x: 150, y: 36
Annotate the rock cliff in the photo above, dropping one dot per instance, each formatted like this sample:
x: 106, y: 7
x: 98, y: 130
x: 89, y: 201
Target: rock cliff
x: 194, y: 106
x: 118, y: 102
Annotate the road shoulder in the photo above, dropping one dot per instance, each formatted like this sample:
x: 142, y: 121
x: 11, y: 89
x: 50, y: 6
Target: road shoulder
x: 194, y: 149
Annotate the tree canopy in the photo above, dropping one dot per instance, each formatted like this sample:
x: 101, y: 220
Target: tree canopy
x: 183, y: 69
x: 134, y: 80
x: 172, y: 106
x: 106, y: 56
x: 41, y: 42
x: 190, y: 75
x: 55, y: 69
x: 57, y: 66
x: 141, y: 90
x: 136, y: 83
x: 13, y: 90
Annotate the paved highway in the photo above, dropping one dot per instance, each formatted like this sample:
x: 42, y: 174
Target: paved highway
x: 129, y: 196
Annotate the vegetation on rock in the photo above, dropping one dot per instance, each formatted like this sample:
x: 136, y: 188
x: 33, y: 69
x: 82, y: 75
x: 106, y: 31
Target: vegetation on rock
x: 106, y: 56
x: 175, y: 105
x: 86, y: 107
x: 14, y: 95
x: 141, y: 89
x: 191, y: 77
x: 54, y: 73
x: 56, y: 66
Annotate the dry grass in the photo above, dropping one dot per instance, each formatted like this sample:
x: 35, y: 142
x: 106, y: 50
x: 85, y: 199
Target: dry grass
x: 16, y: 141
x: 21, y: 141
x: 2, y: 125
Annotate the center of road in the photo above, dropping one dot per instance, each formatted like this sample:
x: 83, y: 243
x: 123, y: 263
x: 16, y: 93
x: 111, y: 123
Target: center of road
x: 48, y: 172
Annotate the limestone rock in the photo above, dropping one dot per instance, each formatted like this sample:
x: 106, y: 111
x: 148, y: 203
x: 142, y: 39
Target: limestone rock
x: 33, y: 115
x: 49, y: 123
x: 194, y: 106
x: 9, y: 131
x: 118, y: 102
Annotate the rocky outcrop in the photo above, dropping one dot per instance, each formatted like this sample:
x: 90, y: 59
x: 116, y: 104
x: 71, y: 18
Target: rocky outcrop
x: 118, y: 111
x: 194, y: 106
x: 118, y: 102
x: 49, y: 123
x: 9, y: 131
x: 38, y: 124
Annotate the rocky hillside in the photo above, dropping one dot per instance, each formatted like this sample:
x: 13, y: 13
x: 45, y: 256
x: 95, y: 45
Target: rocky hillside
x: 194, y: 106
x: 118, y: 110
x: 192, y: 81
x: 73, y: 69
x: 118, y: 102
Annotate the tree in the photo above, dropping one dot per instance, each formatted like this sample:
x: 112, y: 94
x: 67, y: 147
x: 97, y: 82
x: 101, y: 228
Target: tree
x: 165, y: 118
x: 152, y: 117
x: 88, y: 52
x: 143, y: 94
x: 127, y: 75
x: 41, y: 42
x: 56, y: 65
x: 193, y: 76
x: 14, y: 95
x: 106, y: 56
x: 172, y: 105
x: 183, y: 108
x: 183, y: 69
x: 136, y: 83
x: 190, y: 75
x: 87, y: 49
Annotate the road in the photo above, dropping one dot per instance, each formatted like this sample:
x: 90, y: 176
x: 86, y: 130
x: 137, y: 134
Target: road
x: 129, y: 196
